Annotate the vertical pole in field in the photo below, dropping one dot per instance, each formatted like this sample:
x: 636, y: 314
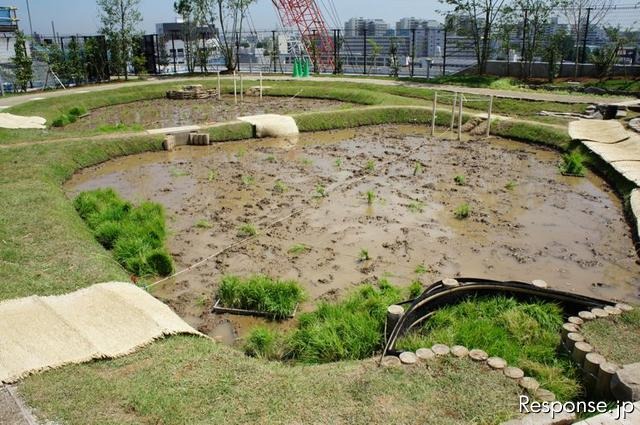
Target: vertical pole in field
x: 235, y: 88
x: 260, y: 86
x: 460, y: 117
x: 241, y: 89
x: 453, y: 110
x: 219, y: 87
x: 364, y: 50
x: 413, y: 51
x: 433, y: 114
x: 275, y: 50
x: 489, y: 115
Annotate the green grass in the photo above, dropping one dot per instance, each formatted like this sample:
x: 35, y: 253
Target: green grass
x: 278, y: 298
x: 120, y: 127
x: 370, y: 195
x: 526, y: 335
x: 617, y: 338
x: 280, y: 187
x: 189, y: 380
x: 416, y: 206
x: 415, y: 289
x: 203, y: 224
x: 363, y: 255
x: 460, y: 180
x: 572, y: 164
x: 247, y: 230
x: 462, y: 211
x: 136, y: 235
x: 298, y: 249
x: 511, y: 185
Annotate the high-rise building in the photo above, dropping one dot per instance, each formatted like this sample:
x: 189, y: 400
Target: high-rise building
x: 355, y: 27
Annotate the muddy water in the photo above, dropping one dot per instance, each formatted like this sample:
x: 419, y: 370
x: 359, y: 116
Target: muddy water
x: 159, y: 113
x: 568, y: 231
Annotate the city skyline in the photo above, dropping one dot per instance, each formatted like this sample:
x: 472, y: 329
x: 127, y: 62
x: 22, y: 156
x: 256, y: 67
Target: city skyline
x: 262, y: 15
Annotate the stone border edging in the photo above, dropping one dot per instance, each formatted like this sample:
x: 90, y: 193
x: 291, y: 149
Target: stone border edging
x: 597, y: 371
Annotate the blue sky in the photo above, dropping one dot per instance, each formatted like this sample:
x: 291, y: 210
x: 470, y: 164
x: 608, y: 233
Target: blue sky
x: 80, y: 16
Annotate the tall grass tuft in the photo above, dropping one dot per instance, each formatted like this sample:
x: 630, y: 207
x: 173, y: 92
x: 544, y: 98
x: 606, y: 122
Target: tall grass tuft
x: 135, y: 234
x: 572, y: 164
x: 278, y: 298
x: 526, y: 335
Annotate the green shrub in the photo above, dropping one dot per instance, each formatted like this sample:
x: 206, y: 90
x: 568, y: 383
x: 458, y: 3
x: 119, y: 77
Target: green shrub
x: 526, y: 335
x: 265, y: 343
x: 462, y: 211
x: 572, y: 164
x: 61, y: 121
x: 278, y: 298
x: 415, y: 289
x: 135, y: 234
x: 77, y: 111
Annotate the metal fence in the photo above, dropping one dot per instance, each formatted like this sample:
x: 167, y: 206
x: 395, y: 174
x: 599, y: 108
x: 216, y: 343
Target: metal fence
x: 427, y: 51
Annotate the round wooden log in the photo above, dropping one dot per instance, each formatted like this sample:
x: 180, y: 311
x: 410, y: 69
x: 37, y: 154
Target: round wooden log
x: 570, y: 341
x: 390, y: 361
x: 614, y: 311
x: 592, y: 362
x: 425, y: 354
x: 529, y: 384
x: 407, y: 357
x: 459, y: 351
x: 496, y: 363
x: 568, y: 328
x: 539, y: 283
x: 586, y: 315
x: 599, y: 313
x: 394, y: 314
x: 603, y: 385
x: 450, y: 283
x: 580, y: 350
x: 478, y: 355
x: 575, y: 320
x: 513, y: 372
x: 544, y: 395
x: 624, y: 307
x: 440, y: 349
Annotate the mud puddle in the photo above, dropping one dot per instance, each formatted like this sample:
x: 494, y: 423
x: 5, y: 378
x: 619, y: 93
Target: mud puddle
x: 527, y: 221
x: 162, y: 113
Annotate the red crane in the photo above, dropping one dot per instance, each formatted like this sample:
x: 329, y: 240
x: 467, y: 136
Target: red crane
x: 307, y: 18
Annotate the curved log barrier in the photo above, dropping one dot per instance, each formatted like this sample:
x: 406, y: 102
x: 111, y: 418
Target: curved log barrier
x: 450, y: 291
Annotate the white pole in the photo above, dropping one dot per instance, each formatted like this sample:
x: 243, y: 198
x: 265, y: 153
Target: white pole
x: 235, y: 88
x: 453, y: 110
x: 433, y: 114
x: 489, y: 115
x: 241, y: 89
x: 260, y: 86
x: 460, y: 117
x: 219, y: 88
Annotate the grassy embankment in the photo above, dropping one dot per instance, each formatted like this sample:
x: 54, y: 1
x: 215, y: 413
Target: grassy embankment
x: 626, y: 327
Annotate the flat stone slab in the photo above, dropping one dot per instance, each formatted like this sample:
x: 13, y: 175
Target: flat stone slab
x: 563, y: 418
x: 635, y: 207
x: 628, y: 150
x: 171, y: 130
x: 625, y: 384
x: 609, y: 131
x: 272, y: 125
x: 629, y: 169
x: 20, y: 122
x: 611, y: 417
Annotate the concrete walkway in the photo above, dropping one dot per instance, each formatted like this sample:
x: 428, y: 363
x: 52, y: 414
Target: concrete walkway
x: 510, y: 94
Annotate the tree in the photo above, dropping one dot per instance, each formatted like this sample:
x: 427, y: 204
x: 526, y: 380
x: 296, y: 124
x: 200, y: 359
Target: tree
x: 375, y: 52
x: 189, y: 31
x: 120, y: 19
x: 394, y: 65
x: 96, y: 66
x: 224, y: 19
x: 576, y: 11
x: 605, y: 57
x: 558, y: 48
x: 476, y: 20
x: 75, y: 62
x: 22, y: 62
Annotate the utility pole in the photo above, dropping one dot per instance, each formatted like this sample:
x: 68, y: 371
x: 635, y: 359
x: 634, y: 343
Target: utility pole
x: 336, y: 34
x: 524, y: 35
x: 444, y: 49
x: 364, y: 49
x: 413, y: 50
x: 274, y: 51
x: 173, y: 49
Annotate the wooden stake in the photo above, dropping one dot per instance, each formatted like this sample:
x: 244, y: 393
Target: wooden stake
x: 219, y: 87
x: 489, y: 115
x: 260, y: 86
x: 394, y: 314
x: 433, y: 115
x: 235, y: 88
x: 453, y: 111
x: 460, y: 117
x: 241, y: 89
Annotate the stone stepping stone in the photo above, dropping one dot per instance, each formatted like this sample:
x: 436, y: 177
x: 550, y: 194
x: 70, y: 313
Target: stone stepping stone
x: 544, y: 395
x: 538, y: 283
x: 390, y: 361
x: 574, y: 320
x: 530, y: 384
x: 625, y: 384
x: 425, y: 354
x: 478, y: 355
x: 614, y: 311
x: 407, y: 357
x: 441, y: 349
x: 459, y: 351
x: 513, y: 372
x: 599, y: 312
x: 586, y: 315
x: 496, y: 363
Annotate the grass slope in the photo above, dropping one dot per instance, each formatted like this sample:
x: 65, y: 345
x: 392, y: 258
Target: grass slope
x: 188, y: 380
x: 600, y: 333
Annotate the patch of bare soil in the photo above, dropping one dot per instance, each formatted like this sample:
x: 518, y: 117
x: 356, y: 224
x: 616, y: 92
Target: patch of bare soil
x: 162, y: 113
x: 527, y: 221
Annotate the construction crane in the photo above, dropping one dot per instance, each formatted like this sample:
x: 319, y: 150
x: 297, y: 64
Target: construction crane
x: 307, y: 18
